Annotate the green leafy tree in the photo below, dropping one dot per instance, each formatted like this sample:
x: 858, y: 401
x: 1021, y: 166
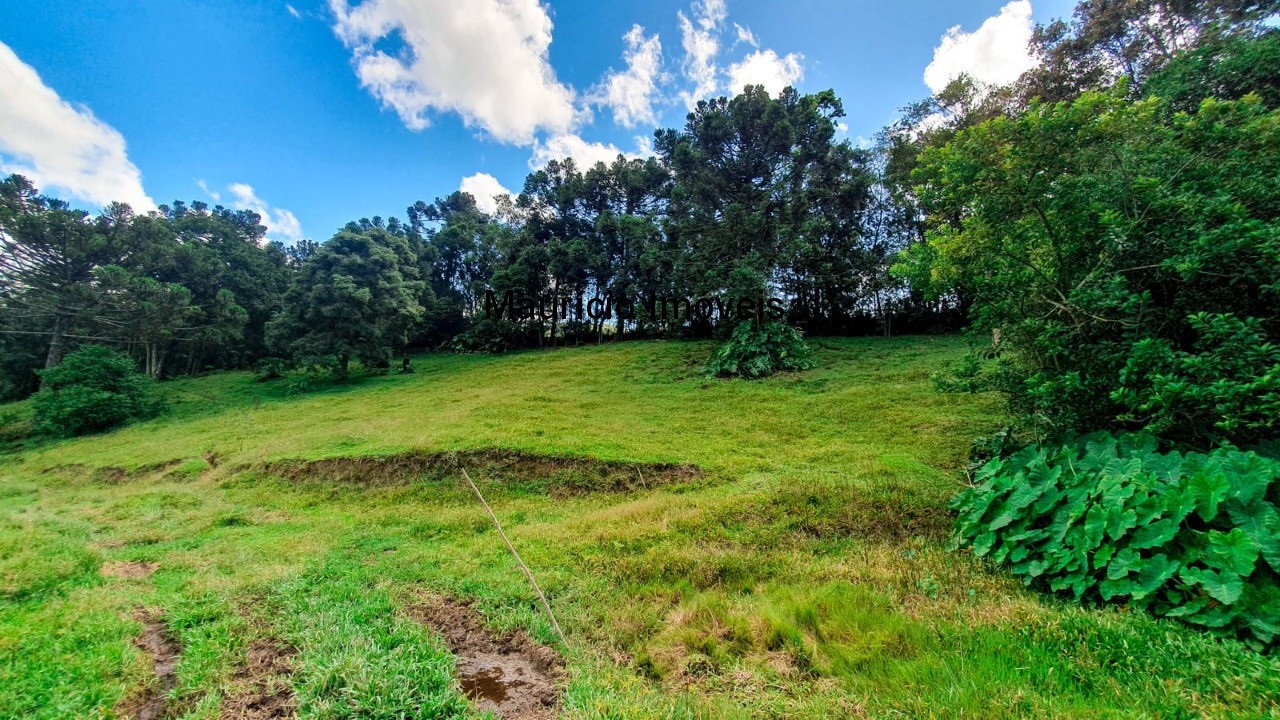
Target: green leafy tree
x: 357, y: 297
x: 1093, y: 233
x: 48, y: 256
x: 1134, y: 39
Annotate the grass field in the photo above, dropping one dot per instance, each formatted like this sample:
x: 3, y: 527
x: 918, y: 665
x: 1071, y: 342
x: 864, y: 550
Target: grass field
x: 802, y: 571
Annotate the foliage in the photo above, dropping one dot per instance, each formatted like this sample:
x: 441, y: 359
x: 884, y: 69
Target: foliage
x: 758, y: 350
x: 1228, y: 384
x: 491, y: 336
x: 1106, y: 243
x: 1135, y: 39
x: 1224, y: 68
x: 1194, y: 536
x: 357, y: 297
x: 270, y: 368
x: 94, y: 388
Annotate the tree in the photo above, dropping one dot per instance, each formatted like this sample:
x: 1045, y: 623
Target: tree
x: 48, y: 255
x: 1110, y: 39
x: 1114, y: 248
x: 746, y: 200
x: 357, y: 297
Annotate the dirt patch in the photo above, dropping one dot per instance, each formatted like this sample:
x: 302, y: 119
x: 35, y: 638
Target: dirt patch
x: 110, y: 474
x: 129, y: 569
x: 263, y: 689
x: 163, y: 651
x: 510, y: 675
x: 553, y: 474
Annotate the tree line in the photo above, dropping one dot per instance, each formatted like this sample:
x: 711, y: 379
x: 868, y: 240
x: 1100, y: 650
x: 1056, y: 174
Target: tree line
x: 754, y: 197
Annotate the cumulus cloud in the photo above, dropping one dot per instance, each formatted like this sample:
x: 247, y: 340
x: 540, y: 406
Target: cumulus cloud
x: 700, y: 38
x: 483, y: 59
x: 486, y: 190
x: 764, y: 67
x: 996, y: 53
x: 61, y: 147
x: 585, y: 154
x: 631, y: 93
x: 281, y: 224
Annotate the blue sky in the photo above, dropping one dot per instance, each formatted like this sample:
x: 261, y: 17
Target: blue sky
x: 314, y: 113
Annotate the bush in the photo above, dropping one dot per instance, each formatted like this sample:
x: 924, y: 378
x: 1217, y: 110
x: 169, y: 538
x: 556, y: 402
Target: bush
x: 755, y: 352
x: 95, y: 388
x: 492, y: 336
x: 1194, y: 536
x: 270, y: 368
x: 1228, y: 386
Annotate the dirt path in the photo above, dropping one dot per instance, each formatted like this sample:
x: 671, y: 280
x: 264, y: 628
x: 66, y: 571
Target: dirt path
x: 510, y: 675
x: 164, y: 652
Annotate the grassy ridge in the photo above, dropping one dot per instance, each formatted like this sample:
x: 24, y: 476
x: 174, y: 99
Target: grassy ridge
x: 805, y: 576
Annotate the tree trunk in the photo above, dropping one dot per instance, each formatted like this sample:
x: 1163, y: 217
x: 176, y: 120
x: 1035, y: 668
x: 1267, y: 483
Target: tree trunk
x: 56, y: 342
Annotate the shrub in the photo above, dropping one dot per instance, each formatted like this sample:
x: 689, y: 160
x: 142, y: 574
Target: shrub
x: 492, y: 336
x: 95, y: 388
x: 755, y: 352
x: 270, y: 368
x: 1194, y: 536
x: 1229, y: 386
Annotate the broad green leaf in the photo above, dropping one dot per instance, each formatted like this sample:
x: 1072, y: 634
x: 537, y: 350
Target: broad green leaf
x: 982, y: 544
x: 1261, y: 523
x: 1123, y: 563
x: 1154, y: 572
x: 1154, y: 535
x: 1250, y: 475
x: 1095, y: 524
x: 1225, y: 587
x: 1120, y: 521
x: 1232, y: 551
x: 1210, y: 487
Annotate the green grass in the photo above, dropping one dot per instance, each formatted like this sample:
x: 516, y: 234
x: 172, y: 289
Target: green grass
x: 805, y: 575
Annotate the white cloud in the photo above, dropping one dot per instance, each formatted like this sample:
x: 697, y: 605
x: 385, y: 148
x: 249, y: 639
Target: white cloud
x: 746, y: 36
x: 483, y: 59
x: 585, y: 154
x: 485, y: 188
x: 293, y: 11
x: 996, y: 53
x: 62, y: 148
x: 700, y: 38
x: 764, y: 67
x: 630, y: 93
x: 209, y: 191
x: 280, y: 223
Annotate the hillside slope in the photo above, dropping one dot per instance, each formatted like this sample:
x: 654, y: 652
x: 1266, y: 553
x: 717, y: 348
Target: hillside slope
x: 780, y: 551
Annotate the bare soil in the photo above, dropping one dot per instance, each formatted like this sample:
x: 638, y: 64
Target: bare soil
x: 263, y: 690
x: 556, y: 474
x: 164, y: 652
x: 509, y: 675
